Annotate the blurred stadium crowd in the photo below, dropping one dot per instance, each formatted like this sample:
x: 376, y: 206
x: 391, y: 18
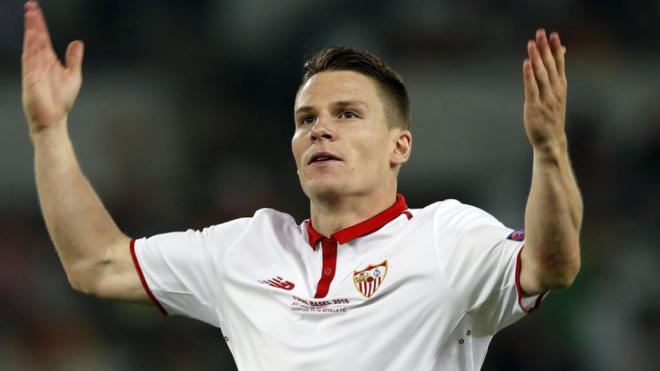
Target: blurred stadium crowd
x: 185, y: 118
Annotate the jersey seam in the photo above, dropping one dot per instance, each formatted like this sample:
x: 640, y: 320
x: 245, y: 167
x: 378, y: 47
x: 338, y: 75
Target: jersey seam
x: 208, y: 262
x: 463, y: 232
x: 218, y: 271
x: 441, y: 347
x: 517, y: 299
x: 499, y: 290
x: 221, y: 269
x: 443, y: 272
x: 476, y: 306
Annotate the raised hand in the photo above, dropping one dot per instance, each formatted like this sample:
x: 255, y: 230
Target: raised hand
x: 553, y: 215
x: 49, y: 88
x: 545, y: 92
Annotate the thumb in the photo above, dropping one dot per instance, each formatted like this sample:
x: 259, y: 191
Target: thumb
x: 74, y: 56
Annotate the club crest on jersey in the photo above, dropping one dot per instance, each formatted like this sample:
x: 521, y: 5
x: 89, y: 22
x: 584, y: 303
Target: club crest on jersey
x: 368, y: 280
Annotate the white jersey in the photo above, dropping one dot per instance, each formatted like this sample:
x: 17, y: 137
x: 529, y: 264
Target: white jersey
x: 408, y: 289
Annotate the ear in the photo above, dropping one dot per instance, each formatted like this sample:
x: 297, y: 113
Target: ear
x: 402, y: 147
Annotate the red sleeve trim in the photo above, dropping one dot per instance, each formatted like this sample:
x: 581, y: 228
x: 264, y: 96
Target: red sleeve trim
x: 537, y: 303
x: 144, y: 281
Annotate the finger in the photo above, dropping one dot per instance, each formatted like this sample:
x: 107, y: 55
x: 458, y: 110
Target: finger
x: 40, y: 22
x: 36, y: 52
x: 546, y: 55
x: 74, y: 56
x: 540, y: 73
x: 29, y: 32
x: 531, y: 88
x: 35, y: 24
x: 35, y: 43
x: 558, y: 51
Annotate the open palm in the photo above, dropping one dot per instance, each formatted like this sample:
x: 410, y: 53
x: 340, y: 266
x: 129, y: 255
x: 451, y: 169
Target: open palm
x: 49, y: 88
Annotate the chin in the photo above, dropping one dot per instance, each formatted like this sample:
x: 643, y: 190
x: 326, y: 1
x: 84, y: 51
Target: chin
x: 324, y: 189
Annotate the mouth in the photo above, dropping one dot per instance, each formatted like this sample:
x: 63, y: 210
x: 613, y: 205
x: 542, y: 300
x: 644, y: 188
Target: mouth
x: 322, y: 157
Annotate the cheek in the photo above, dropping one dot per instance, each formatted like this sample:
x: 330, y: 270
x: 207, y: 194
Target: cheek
x: 297, y: 147
x: 374, y: 153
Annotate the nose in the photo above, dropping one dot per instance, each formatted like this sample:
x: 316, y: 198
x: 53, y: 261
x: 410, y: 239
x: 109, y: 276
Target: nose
x: 321, y: 130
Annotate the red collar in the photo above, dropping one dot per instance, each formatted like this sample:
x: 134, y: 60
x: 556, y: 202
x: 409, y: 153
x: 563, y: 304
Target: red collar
x: 358, y: 230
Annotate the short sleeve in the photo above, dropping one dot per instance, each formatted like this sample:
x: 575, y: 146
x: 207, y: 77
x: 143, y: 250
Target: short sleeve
x: 179, y: 270
x: 483, y: 267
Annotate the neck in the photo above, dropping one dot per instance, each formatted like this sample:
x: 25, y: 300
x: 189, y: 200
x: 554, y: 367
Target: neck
x: 330, y: 215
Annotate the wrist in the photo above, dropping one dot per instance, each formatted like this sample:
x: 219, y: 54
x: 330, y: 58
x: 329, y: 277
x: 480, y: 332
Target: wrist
x: 50, y: 137
x: 40, y: 131
x: 551, y: 149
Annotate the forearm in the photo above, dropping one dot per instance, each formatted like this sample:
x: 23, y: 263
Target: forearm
x: 553, y: 218
x: 78, y: 223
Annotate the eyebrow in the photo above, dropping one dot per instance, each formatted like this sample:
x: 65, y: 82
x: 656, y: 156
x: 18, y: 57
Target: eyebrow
x: 340, y: 104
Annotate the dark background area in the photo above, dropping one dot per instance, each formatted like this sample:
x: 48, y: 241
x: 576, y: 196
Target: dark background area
x: 185, y: 120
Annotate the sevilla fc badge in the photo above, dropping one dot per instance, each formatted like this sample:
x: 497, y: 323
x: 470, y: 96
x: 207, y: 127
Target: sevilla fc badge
x: 368, y: 280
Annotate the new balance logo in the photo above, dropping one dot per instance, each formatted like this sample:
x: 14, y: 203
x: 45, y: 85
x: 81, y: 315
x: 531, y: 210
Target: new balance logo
x: 279, y: 283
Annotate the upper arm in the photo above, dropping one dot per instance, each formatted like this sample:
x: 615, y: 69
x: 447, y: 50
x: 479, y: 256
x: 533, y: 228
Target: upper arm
x: 538, y: 276
x: 116, y: 276
x: 530, y: 281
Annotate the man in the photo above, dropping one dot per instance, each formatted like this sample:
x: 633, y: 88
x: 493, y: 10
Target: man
x: 365, y: 282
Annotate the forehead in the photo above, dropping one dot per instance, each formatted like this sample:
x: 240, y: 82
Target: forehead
x: 333, y: 86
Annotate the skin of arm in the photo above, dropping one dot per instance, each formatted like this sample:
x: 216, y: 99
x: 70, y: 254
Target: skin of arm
x: 553, y: 215
x: 94, y: 252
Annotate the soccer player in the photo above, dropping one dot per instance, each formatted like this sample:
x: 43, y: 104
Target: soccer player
x: 365, y: 282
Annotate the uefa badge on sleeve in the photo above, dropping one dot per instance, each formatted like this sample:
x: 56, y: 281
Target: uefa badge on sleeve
x: 368, y: 280
x: 518, y: 235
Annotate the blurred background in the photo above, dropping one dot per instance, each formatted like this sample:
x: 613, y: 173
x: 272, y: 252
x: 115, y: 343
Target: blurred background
x: 185, y: 120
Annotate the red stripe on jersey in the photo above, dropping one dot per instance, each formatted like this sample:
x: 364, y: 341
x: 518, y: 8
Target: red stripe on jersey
x: 144, y: 281
x: 329, y: 246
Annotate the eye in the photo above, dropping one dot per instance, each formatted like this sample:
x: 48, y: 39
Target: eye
x: 309, y: 119
x: 348, y: 115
